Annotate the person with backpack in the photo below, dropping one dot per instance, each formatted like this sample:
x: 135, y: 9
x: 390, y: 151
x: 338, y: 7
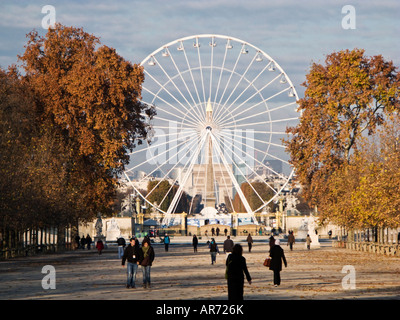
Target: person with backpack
x: 167, y: 241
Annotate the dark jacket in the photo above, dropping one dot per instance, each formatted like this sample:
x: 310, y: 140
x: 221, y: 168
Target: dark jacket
x: 195, y: 241
x: 228, y: 245
x: 213, y: 247
x: 121, y: 242
x: 132, y: 254
x: 237, y: 268
x: 291, y: 238
x: 148, y: 261
x: 277, y: 255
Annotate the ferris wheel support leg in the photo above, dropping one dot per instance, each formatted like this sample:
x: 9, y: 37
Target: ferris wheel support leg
x: 181, y: 185
x: 241, y: 195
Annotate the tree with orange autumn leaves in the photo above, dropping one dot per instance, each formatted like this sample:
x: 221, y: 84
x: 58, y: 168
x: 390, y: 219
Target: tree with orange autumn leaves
x: 347, y: 100
x: 85, y: 109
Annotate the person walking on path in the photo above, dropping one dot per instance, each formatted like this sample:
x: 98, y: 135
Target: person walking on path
x: 167, y: 241
x: 77, y: 241
x: 213, y: 251
x: 121, y: 246
x: 131, y: 254
x: 146, y: 261
x: 195, y: 242
x: 308, y: 242
x: 212, y: 232
x: 236, y: 268
x: 249, y: 241
x: 228, y: 245
x: 291, y: 240
x: 217, y: 231
x: 226, y: 232
x: 99, y: 246
x: 271, y: 242
x: 206, y: 233
x: 83, y: 242
x: 277, y: 256
x: 88, y: 241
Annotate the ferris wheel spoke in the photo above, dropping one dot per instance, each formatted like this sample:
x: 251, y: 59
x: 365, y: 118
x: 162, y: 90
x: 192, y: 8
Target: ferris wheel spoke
x: 251, y: 124
x: 251, y: 169
x: 172, y: 185
x: 167, y: 174
x: 201, y: 74
x: 220, y: 74
x: 243, y: 91
x: 245, y: 176
x: 176, y: 87
x: 227, y: 84
x: 162, y: 153
x: 196, y: 182
x: 156, y: 96
x: 193, y: 116
x: 229, y: 194
x: 194, y: 82
x: 237, y: 187
x: 183, y: 183
x: 237, y: 84
x: 163, y: 143
x: 193, y: 124
x: 263, y: 152
x: 184, y: 81
x: 258, y: 91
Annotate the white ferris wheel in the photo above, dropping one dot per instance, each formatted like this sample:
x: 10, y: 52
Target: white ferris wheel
x: 222, y: 106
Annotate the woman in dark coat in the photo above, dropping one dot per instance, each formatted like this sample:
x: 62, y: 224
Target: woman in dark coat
x: 235, y: 269
x: 277, y: 256
x: 146, y: 260
x: 195, y: 243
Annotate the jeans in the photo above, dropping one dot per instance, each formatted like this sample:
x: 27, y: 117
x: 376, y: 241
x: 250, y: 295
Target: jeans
x: 213, y: 257
x: 146, y: 274
x: 120, y: 252
x: 131, y: 270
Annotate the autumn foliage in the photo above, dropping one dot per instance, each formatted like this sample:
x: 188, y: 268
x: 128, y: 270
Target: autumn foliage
x: 68, y: 124
x: 348, y: 98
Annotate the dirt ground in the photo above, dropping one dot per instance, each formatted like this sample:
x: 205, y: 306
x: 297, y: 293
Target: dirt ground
x: 181, y: 274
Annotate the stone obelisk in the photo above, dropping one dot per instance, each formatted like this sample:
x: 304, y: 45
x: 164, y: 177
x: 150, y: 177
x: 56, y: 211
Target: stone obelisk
x: 210, y: 188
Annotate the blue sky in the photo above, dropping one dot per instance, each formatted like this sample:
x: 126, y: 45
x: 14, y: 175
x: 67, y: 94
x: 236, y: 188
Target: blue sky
x: 293, y: 32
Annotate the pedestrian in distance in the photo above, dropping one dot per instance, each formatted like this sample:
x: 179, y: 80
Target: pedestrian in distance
x: 146, y: 261
x: 88, y: 241
x: 195, y: 242
x: 167, y: 241
x: 228, y: 245
x: 212, y: 232
x: 217, y: 231
x: 249, y: 241
x: 121, y: 246
x: 131, y: 255
x: 213, y: 251
x: 277, y: 256
x: 236, y: 268
x: 83, y: 242
x: 99, y: 246
x: 291, y: 240
x: 77, y: 241
x: 308, y: 242
x: 206, y: 233
x: 226, y: 232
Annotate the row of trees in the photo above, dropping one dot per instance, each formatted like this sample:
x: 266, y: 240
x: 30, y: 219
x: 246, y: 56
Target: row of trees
x: 345, y: 149
x: 69, y: 116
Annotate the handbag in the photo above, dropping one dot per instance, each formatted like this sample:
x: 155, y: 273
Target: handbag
x: 267, y: 262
